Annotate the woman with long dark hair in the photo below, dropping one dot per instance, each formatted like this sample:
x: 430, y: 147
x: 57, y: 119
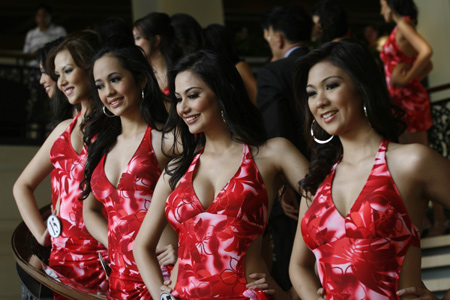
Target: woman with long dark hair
x: 218, y: 192
x: 124, y: 162
x: 365, y: 195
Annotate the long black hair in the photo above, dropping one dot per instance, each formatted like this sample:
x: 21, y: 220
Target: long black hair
x: 220, y: 39
x: 332, y: 20
x: 405, y: 8
x: 102, y: 131
x: 188, y: 32
x: 354, y: 59
x: 242, y: 118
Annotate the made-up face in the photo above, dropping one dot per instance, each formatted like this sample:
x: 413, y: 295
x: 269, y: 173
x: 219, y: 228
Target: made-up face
x: 333, y: 99
x: 386, y: 11
x: 141, y: 41
x: 197, y: 104
x: 117, y: 87
x: 47, y: 82
x: 72, y: 80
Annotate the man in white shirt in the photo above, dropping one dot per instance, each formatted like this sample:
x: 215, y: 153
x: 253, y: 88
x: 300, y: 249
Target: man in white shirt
x: 45, y: 31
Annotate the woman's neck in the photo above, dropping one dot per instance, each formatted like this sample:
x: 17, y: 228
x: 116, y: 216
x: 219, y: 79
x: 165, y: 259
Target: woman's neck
x: 85, y: 104
x: 359, y: 146
x: 219, y: 140
x: 396, y: 17
x: 132, y: 126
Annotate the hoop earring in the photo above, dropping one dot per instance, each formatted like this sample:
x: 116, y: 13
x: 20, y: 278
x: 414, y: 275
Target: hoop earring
x: 142, y: 94
x: 108, y: 113
x: 365, y: 111
x: 316, y: 139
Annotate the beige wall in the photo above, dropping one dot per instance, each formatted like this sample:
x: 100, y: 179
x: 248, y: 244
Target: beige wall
x: 204, y: 11
x: 434, y: 26
x: 13, y: 160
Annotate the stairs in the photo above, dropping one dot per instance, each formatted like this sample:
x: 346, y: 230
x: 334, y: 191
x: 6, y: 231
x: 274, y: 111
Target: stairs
x: 436, y: 264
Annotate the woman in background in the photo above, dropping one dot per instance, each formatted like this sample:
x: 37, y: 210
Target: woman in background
x: 156, y: 36
x: 75, y: 253
x: 406, y: 57
x: 124, y: 162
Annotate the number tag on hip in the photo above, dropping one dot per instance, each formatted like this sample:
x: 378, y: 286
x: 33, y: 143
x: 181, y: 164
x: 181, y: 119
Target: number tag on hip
x: 54, y: 226
x: 166, y: 296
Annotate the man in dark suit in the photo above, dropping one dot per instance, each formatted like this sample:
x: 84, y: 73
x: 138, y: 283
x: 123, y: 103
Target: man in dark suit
x: 287, y: 29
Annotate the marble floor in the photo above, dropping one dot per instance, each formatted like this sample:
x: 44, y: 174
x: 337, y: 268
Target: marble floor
x: 13, y: 160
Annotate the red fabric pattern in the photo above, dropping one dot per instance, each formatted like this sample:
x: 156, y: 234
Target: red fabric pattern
x: 126, y: 206
x: 75, y: 252
x: 166, y: 91
x: 361, y: 256
x: 212, y: 242
x: 412, y: 98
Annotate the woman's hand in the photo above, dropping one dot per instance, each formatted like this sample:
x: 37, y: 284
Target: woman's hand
x: 290, y: 203
x: 165, y: 288
x: 167, y: 255
x: 321, y: 293
x: 422, y: 293
x: 399, y: 74
x: 261, y: 283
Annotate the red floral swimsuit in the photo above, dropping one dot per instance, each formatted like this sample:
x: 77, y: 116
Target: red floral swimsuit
x: 413, y: 97
x: 126, y: 206
x: 212, y: 242
x: 75, y: 252
x: 360, y: 256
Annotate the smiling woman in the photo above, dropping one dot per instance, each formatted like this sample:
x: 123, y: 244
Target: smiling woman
x: 365, y: 195
x: 124, y: 162
x: 218, y: 192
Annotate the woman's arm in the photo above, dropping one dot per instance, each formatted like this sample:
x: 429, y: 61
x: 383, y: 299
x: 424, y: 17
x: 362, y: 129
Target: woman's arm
x: 433, y: 171
x: 249, y: 79
x: 289, y: 161
x: 259, y: 275
x: 95, y: 221
x: 422, y: 293
x: 423, y: 49
x: 301, y: 267
x: 144, y: 248
x: 37, y: 169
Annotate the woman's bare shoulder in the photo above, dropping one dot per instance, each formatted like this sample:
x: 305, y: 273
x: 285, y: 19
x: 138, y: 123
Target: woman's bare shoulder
x: 411, y: 157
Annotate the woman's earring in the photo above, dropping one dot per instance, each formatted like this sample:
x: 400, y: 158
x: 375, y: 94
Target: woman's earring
x: 223, y: 116
x: 108, y: 113
x: 365, y: 111
x: 142, y: 94
x: 316, y: 139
